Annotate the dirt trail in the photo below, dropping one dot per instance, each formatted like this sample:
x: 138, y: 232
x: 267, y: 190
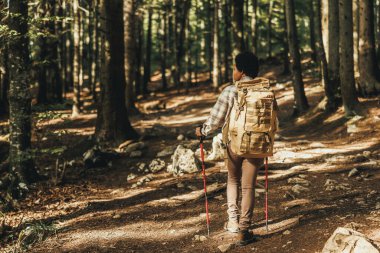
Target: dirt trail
x: 101, y: 212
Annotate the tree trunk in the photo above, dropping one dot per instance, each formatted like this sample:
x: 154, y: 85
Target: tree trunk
x: 4, y: 81
x: 300, y: 100
x: 269, y: 31
x: 285, y: 53
x: 355, y: 14
x: 368, y: 68
x: 209, y: 37
x: 130, y: 47
x: 215, y: 72
x: 312, y: 32
x: 148, y: 53
x: 254, y: 27
x: 350, y: 100
x: 138, y: 52
x: 227, y: 40
x: 238, y: 26
x: 329, y: 91
x: 333, y: 44
x: 76, y: 60
x: 164, y: 48
x: 112, y: 122
x: 20, y: 156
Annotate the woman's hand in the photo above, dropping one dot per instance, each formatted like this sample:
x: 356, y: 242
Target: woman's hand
x: 198, y: 132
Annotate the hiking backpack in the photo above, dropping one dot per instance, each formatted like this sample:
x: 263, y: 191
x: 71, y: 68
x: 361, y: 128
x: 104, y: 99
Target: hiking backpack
x: 252, y: 122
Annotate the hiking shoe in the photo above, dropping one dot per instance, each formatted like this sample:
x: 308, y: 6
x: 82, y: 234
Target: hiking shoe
x: 245, y: 237
x: 231, y: 226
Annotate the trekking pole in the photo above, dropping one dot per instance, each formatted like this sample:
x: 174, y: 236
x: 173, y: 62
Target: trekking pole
x: 204, y: 185
x: 266, y: 193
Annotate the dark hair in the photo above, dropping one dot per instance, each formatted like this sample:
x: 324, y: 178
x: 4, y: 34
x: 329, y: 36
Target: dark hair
x: 248, y: 63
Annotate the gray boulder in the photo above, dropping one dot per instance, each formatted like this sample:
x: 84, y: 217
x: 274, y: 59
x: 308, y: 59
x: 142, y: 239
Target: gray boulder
x: 349, y: 240
x: 184, y: 161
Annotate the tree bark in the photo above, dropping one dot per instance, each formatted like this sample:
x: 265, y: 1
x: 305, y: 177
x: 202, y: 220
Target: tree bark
x: 76, y: 60
x: 164, y: 48
x: 368, y: 68
x: 227, y: 40
x: 355, y: 4
x: 148, y: 51
x: 350, y: 100
x: 300, y: 100
x: 4, y: 81
x: 22, y: 168
x: 112, y: 121
x: 285, y: 53
x: 215, y: 72
x: 333, y: 44
x: 331, y: 103
x: 269, y: 30
x: 238, y: 26
x: 139, y: 40
x: 312, y: 32
x: 130, y: 46
x: 254, y: 27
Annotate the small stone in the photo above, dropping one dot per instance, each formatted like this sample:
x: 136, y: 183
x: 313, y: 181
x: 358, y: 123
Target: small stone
x: 202, y: 238
x: 353, y: 172
x: 116, y: 216
x: 180, y: 185
x: 192, y: 187
x: 157, y: 165
x: 298, y: 189
x: 367, y: 153
x: 286, y: 232
x: 131, y: 176
x: 377, y: 206
x: 297, y: 180
x: 317, y: 145
x: 220, y: 197
x: 180, y: 137
x: 225, y: 247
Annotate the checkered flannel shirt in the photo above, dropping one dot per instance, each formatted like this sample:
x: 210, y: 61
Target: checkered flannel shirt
x: 221, y: 109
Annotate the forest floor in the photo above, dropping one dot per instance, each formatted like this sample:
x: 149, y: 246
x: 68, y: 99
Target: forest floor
x: 98, y: 210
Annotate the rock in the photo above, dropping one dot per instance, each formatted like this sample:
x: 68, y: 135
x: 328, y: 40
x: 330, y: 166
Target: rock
x: 184, y: 161
x: 225, y: 247
x: 166, y: 151
x: 298, y: 189
x: 192, y: 187
x: 297, y: 180
x: 131, y: 176
x: 353, y: 172
x: 116, y: 216
x: 202, y: 238
x: 367, y: 154
x: 332, y: 185
x: 286, y: 232
x: 141, y: 166
x: 349, y: 240
x: 317, y: 145
x: 133, y: 147
x: 180, y: 185
x: 136, y: 153
x: 359, y: 158
x: 217, y: 152
x: 219, y: 197
x: 157, y: 165
x: 377, y: 206
x: 198, y: 152
x: 180, y: 137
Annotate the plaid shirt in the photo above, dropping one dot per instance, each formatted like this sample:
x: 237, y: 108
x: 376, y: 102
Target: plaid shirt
x: 221, y: 109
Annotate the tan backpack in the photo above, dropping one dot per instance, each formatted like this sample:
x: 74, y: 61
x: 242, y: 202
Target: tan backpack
x: 252, y: 121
